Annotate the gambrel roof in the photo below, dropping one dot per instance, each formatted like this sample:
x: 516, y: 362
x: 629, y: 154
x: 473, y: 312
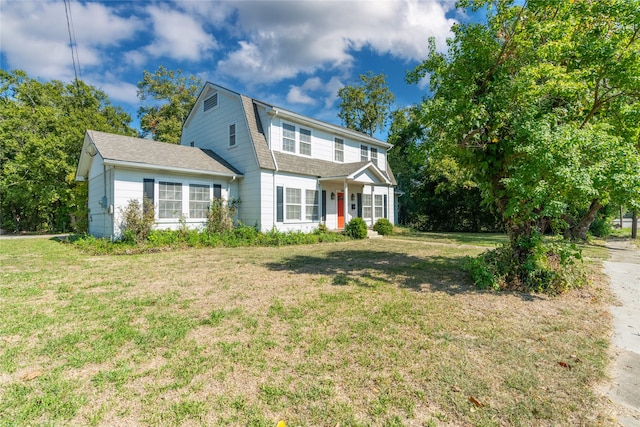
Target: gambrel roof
x: 146, y: 154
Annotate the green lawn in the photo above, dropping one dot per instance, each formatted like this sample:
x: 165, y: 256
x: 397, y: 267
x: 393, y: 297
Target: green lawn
x: 375, y: 332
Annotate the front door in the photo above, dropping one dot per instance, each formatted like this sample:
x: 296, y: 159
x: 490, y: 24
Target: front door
x: 340, y: 210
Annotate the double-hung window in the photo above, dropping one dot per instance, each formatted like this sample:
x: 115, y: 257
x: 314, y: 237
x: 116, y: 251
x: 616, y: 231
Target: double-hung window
x: 232, y: 135
x: 377, y: 200
x: 199, y: 200
x: 311, y: 203
x: 293, y: 203
x: 288, y: 138
x: 169, y: 200
x: 305, y: 141
x: 338, y: 149
x: 364, y: 153
x: 366, y: 205
x: 374, y: 156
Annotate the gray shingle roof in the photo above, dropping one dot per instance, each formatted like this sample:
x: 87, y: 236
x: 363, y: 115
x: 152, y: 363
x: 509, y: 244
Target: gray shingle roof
x: 265, y: 161
x: 321, y: 168
x: 145, y: 152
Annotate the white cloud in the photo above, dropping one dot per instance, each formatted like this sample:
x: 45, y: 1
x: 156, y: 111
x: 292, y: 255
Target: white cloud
x: 284, y: 39
x: 35, y: 37
x: 178, y: 35
x: 315, y: 92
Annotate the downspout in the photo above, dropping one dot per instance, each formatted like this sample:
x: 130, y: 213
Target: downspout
x: 274, y: 203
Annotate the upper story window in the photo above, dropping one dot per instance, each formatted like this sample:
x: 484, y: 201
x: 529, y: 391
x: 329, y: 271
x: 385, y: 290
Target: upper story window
x: 211, y: 102
x: 364, y: 153
x: 232, y: 135
x: 338, y: 149
x: 374, y: 156
x: 305, y: 141
x: 288, y: 138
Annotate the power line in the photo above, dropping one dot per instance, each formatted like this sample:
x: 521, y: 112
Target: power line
x: 72, y: 41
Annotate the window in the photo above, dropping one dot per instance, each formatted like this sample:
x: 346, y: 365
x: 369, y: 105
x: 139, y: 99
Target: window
x: 232, y: 135
x: 211, y: 102
x: 199, y: 200
x: 338, y: 149
x: 311, y: 203
x: 288, y: 138
x: 305, y: 141
x: 147, y: 194
x: 366, y: 205
x: 364, y: 153
x: 377, y: 199
x: 293, y: 204
x: 374, y: 156
x: 170, y: 200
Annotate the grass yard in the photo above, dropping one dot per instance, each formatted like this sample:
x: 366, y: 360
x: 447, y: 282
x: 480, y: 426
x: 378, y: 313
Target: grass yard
x: 383, y: 332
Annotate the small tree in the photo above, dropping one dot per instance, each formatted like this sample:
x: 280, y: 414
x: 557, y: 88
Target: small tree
x: 220, y: 215
x: 137, y: 220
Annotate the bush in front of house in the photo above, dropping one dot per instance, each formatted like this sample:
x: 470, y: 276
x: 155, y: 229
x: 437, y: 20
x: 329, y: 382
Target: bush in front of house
x: 356, y: 228
x: 383, y: 227
x: 137, y: 220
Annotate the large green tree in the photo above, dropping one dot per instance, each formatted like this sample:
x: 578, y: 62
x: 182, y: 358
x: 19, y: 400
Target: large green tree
x: 537, y: 103
x: 174, y: 96
x: 42, y: 126
x: 366, y: 107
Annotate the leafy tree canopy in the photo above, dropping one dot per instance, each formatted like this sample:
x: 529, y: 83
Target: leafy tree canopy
x: 540, y: 105
x: 175, y: 95
x: 41, y: 135
x: 366, y: 107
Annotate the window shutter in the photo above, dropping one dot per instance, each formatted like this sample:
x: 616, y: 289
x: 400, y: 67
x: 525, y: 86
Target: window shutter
x: 324, y: 205
x: 217, y: 191
x: 385, y: 206
x: 280, y: 204
x: 147, y: 192
x: 359, y: 205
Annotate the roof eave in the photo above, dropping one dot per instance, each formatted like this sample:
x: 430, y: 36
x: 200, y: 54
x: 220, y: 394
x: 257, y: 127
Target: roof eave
x: 148, y: 166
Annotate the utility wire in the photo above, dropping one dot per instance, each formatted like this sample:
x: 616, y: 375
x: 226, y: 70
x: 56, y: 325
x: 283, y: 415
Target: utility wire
x: 72, y: 42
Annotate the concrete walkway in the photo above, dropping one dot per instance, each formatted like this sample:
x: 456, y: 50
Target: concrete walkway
x: 623, y: 269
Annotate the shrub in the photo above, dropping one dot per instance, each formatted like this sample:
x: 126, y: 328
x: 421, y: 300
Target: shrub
x: 220, y: 215
x: 356, y: 228
x: 551, y: 268
x: 383, y: 227
x: 137, y: 220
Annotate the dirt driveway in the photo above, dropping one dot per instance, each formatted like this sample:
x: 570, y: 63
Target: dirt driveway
x: 623, y: 269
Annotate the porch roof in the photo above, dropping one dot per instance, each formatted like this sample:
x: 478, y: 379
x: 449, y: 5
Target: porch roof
x: 327, y: 170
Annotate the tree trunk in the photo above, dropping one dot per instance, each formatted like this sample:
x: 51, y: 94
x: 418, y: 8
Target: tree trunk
x: 579, y: 231
x: 634, y: 225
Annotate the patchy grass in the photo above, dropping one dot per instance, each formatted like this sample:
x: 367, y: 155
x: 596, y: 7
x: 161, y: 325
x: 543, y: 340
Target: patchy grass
x: 374, y: 332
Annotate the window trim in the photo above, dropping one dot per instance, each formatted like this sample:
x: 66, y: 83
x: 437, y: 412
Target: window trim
x: 234, y: 135
x: 367, y: 204
x: 337, y: 144
x: 161, y: 211
x: 364, y: 153
x: 284, y: 149
x: 207, y: 203
x: 288, y: 204
x: 374, y: 158
x: 313, y: 206
x: 377, y: 206
x: 304, y: 143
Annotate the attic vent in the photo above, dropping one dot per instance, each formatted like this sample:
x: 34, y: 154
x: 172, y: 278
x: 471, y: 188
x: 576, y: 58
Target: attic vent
x: 211, y: 102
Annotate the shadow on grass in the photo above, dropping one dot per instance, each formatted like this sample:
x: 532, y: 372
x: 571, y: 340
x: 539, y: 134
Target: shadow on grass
x: 369, y: 268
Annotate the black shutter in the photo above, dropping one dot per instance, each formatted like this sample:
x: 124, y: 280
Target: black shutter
x: 147, y: 193
x: 217, y: 191
x: 359, y: 205
x: 324, y: 205
x: 385, y: 206
x: 280, y: 204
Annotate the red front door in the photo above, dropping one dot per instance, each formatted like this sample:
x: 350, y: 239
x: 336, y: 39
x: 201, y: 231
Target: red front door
x: 340, y: 210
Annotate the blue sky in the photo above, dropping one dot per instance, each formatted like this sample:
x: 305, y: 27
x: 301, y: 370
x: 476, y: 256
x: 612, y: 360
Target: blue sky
x: 294, y: 54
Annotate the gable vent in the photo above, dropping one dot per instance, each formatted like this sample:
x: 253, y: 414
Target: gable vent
x: 211, y: 102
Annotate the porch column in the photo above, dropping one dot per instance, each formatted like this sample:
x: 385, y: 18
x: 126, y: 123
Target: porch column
x: 373, y: 205
x: 345, y: 202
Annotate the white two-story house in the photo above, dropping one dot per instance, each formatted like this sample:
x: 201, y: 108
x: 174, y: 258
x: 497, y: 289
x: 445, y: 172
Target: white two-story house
x: 287, y: 171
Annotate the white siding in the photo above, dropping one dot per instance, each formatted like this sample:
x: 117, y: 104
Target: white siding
x: 302, y: 183
x: 100, y: 185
